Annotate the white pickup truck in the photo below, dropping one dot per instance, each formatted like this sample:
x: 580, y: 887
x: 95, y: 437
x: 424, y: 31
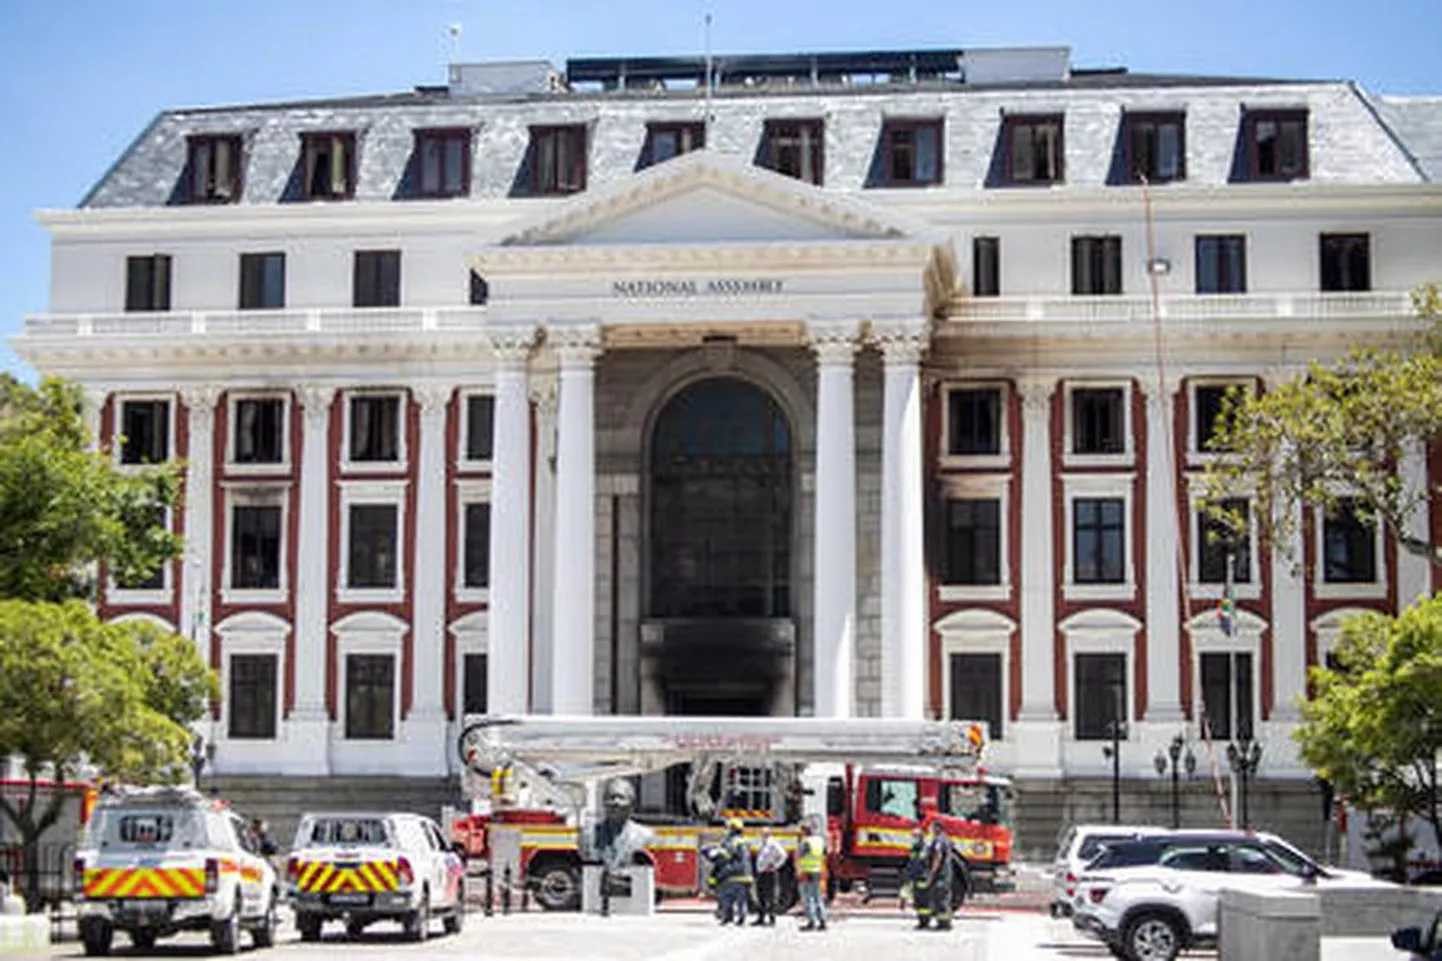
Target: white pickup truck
x: 359, y: 868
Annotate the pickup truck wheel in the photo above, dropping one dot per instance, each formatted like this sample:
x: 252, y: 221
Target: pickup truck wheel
x: 143, y: 940
x: 456, y: 919
x: 354, y: 929
x: 225, y: 935
x: 96, y: 933
x: 263, y: 934
x: 558, y: 886
x: 1152, y: 937
x: 418, y: 922
x: 308, y: 925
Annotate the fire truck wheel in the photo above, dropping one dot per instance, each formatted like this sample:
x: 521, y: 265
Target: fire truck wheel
x: 558, y: 885
x: 96, y: 933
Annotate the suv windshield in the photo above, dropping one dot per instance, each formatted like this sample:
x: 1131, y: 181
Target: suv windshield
x: 1292, y: 860
x: 346, y: 831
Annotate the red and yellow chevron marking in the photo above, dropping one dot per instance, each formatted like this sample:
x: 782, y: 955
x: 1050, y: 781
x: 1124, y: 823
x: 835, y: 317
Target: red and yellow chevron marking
x: 323, y: 877
x: 250, y: 873
x: 144, y: 882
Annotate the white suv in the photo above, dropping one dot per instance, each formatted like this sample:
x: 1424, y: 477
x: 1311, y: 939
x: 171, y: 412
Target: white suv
x: 1150, y: 899
x: 1076, y: 848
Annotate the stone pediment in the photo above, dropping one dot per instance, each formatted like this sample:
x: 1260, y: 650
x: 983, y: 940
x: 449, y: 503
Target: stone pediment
x: 709, y: 198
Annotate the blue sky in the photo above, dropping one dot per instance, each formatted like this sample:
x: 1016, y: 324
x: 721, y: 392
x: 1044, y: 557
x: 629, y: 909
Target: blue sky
x: 79, y: 79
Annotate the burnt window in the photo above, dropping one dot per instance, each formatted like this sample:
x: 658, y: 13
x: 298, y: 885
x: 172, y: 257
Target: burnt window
x: 911, y: 152
x: 259, y: 430
x: 144, y: 431
x: 985, y: 266
x: 1216, y: 540
x: 1096, y: 265
x: 1156, y: 146
x: 255, y: 547
x: 1098, y: 420
x: 480, y: 426
x: 795, y: 148
x: 973, y: 421
x: 667, y: 140
x: 213, y: 169
x: 377, y: 278
x: 1221, y: 264
x: 370, y: 691
x: 558, y: 155
x: 262, y: 281
x: 1349, y: 545
x: 443, y: 163
x: 1227, y: 694
x: 473, y: 687
x: 252, y: 702
x: 328, y: 166
x: 976, y: 690
x: 375, y: 428
x: 1275, y: 143
x: 374, y: 546
x: 477, y: 556
x: 1346, y: 262
x: 973, y: 541
x: 1100, y: 695
x: 1034, y: 152
x: 147, y: 282
x: 1098, y: 540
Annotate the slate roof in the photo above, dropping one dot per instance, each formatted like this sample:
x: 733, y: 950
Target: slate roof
x: 1353, y: 139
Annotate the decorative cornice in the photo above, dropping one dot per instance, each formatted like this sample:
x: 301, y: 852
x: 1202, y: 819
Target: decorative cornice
x: 576, y: 345
x: 901, y: 340
x: 769, y: 255
x: 512, y: 346
x: 835, y: 341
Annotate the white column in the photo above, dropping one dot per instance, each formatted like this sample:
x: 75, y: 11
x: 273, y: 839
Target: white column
x: 904, y: 636
x: 543, y: 559
x: 834, y: 606
x: 1289, y: 610
x: 92, y: 405
x: 199, y: 517
x: 1413, y: 569
x: 1164, y: 690
x: 1038, y: 587
x: 574, y: 599
x: 310, y: 722
x: 426, y: 722
x: 508, y: 657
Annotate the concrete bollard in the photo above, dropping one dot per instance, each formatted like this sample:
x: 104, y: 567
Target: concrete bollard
x: 24, y: 936
x: 1276, y: 925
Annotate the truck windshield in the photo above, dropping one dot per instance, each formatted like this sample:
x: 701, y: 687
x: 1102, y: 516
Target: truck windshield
x: 977, y: 801
x: 147, y: 829
x: 347, y: 831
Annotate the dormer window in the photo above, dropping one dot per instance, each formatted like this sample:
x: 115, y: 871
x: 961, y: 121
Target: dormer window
x: 558, y: 157
x: 443, y: 159
x: 213, y: 169
x: 794, y: 148
x: 1155, y: 145
x: 1035, y: 153
x: 329, y: 166
x: 1275, y: 142
x: 667, y: 140
x: 913, y: 151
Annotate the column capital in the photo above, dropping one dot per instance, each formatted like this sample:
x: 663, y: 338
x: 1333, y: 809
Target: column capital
x: 201, y: 398
x: 315, y: 401
x: 433, y: 397
x: 901, y: 340
x: 512, y: 346
x: 835, y: 341
x: 1035, y: 391
x: 577, y: 345
x: 1159, y: 387
x: 1279, y: 374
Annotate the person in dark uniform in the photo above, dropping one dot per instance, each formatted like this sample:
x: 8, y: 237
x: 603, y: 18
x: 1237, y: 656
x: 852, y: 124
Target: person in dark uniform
x: 938, y: 857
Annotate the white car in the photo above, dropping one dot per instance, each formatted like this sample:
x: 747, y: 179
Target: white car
x: 157, y: 861
x: 360, y: 868
x: 1151, y: 899
x: 1076, y: 848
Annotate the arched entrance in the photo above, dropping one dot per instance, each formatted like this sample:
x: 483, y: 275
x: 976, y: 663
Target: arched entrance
x: 720, y: 551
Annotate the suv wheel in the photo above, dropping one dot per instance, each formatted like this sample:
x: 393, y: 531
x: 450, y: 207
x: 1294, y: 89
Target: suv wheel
x: 1153, y: 937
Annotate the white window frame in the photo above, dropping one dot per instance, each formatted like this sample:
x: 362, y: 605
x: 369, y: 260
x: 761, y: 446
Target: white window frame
x: 252, y: 632
x: 359, y: 493
x: 997, y: 461
x: 463, y: 459
x: 1207, y: 638
x: 1101, y: 631
x: 252, y: 493
x: 349, y: 466
x: 369, y: 632
x: 977, y: 631
x: 117, y: 424
x: 128, y: 597
x: 1088, y: 486
x: 472, y: 635
x: 1195, y: 455
x: 468, y: 492
x: 1127, y: 457
x: 233, y: 401
x: 983, y: 487
x: 1250, y: 591
x: 1365, y: 590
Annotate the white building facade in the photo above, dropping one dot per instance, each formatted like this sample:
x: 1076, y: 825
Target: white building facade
x: 810, y: 396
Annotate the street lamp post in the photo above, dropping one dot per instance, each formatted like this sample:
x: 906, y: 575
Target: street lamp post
x: 1174, y: 755
x: 1244, y: 756
x: 202, y: 752
x: 1113, y: 752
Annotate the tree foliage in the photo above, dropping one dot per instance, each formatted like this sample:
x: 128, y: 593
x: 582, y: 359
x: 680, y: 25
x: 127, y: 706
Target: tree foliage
x: 1374, y: 726
x: 1338, y: 430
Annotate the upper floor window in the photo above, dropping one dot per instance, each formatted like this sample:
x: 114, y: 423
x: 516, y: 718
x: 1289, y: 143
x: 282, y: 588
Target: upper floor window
x: 1227, y: 693
x: 147, y: 282
x: 1096, y: 265
x: 1222, y: 264
x: 1099, y: 540
x: 912, y: 152
x: 329, y: 166
x: 374, y: 543
x: 480, y: 433
x: 213, y: 169
x: 558, y: 155
x: 375, y: 428
x: 1349, y: 545
x: 1155, y: 145
x: 144, y: 431
x: 1209, y: 406
x: 973, y: 421
x: 255, y: 546
x: 377, y: 278
x: 1034, y: 150
x: 262, y: 281
x: 480, y: 290
x: 1101, y: 695
x: 667, y: 140
x: 794, y: 148
x: 1275, y: 143
x: 973, y: 541
x: 1346, y: 262
x: 985, y: 266
x: 1218, y: 544
x: 443, y: 159
x: 476, y: 563
x: 1098, y: 420
x: 259, y: 430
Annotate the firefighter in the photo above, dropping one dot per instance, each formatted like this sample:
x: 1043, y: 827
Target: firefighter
x: 911, y: 872
x: 810, y: 866
x: 735, y: 877
x: 938, y: 856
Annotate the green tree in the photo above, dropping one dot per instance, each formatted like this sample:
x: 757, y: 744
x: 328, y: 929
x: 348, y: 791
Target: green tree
x: 1374, y: 726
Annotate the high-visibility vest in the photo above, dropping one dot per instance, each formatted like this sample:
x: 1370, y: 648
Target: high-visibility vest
x: 811, y: 857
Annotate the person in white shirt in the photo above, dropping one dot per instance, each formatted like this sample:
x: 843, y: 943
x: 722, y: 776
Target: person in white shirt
x: 770, y: 858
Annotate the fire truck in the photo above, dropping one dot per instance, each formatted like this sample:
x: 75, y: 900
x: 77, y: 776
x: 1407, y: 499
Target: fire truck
x: 870, y: 782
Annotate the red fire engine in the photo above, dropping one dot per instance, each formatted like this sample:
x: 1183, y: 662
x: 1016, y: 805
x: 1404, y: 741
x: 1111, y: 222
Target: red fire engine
x: 871, y: 781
